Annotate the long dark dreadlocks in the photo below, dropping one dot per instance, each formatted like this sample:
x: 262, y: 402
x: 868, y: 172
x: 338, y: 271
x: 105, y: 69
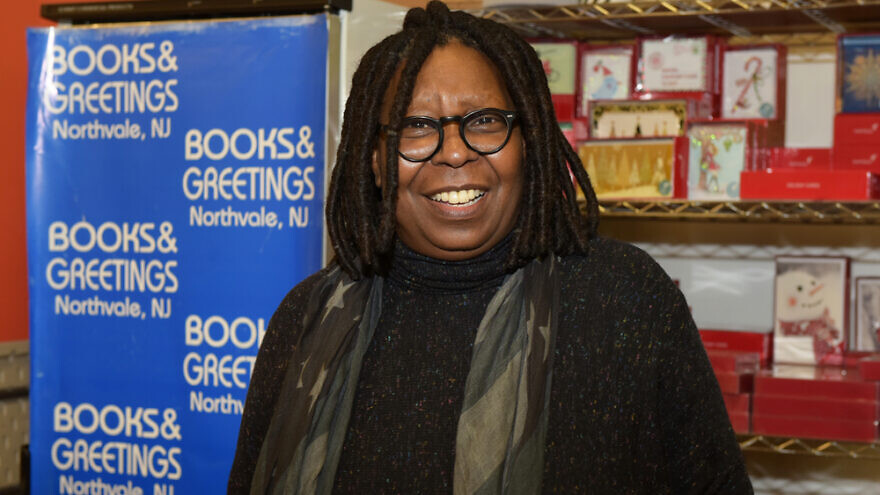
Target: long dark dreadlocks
x: 360, y: 217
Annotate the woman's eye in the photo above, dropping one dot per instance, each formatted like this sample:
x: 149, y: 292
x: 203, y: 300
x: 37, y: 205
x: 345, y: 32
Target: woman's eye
x: 417, y: 127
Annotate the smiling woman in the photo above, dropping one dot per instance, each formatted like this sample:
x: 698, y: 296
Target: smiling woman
x: 473, y: 333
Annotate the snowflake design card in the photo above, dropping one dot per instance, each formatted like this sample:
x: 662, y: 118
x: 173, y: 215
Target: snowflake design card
x: 859, y: 73
x: 810, y: 314
x: 867, y: 327
x: 716, y: 157
x: 751, y: 83
x: 606, y: 74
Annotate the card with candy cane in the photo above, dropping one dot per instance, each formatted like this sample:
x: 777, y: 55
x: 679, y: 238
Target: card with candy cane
x: 750, y: 86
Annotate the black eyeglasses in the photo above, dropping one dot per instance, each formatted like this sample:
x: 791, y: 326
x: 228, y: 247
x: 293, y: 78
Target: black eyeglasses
x: 485, y: 131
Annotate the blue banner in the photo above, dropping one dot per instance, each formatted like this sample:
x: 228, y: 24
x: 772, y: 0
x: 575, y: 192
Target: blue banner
x: 175, y: 188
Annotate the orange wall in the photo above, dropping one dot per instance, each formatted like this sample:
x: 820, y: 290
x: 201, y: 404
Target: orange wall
x: 17, y: 17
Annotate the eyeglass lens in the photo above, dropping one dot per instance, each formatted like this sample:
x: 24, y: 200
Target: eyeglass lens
x: 484, y: 131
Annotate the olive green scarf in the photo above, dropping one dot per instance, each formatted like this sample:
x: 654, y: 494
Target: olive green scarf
x: 499, y: 446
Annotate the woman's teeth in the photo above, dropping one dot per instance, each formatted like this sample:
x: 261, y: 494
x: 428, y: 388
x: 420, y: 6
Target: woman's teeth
x: 458, y: 197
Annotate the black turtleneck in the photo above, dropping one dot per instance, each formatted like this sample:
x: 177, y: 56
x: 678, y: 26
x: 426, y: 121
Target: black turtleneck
x: 634, y: 406
x: 412, y: 381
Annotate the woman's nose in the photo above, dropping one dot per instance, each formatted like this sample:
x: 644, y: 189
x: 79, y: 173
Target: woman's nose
x: 453, y: 152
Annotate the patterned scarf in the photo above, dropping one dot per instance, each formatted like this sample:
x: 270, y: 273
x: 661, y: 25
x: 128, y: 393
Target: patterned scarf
x: 499, y: 446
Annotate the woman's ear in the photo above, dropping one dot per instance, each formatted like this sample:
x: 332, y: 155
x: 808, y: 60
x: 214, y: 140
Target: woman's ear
x: 377, y: 168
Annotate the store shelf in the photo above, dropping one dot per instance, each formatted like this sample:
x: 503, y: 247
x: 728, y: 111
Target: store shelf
x: 752, y: 20
x: 810, y: 447
x: 745, y: 211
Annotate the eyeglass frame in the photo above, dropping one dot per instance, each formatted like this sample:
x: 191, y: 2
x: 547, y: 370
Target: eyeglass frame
x: 510, y: 117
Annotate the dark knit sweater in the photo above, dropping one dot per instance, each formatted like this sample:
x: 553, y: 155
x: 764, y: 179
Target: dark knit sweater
x: 634, y: 407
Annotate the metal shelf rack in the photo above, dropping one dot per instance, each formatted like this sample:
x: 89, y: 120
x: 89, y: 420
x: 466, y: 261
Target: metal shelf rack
x: 830, y: 212
x: 810, y: 447
x: 794, y: 22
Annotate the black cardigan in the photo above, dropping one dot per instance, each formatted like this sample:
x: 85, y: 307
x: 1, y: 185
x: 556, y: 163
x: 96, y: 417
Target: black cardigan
x: 634, y: 406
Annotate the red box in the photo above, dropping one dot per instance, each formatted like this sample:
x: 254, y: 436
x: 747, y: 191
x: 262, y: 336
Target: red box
x: 726, y: 340
x: 869, y: 368
x: 805, y: 407
x: 739, y: 421
x: 858, y: 129
x: 816, y: 382
x: 734, y: 383
x: 854, y: 431
x: 809, y: 185
x: 864, y: 157
x: 800, y: 158
x: 734, y: 361
x: 737, y: 403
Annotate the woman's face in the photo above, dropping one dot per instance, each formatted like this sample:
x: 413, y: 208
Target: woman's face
x: 455, y: 80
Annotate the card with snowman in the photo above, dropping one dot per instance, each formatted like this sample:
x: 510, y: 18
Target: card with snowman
x: 606, y: 74
x: 810, y: 318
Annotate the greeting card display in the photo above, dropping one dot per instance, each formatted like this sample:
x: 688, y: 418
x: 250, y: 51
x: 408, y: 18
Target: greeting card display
x: 717, y: 154
x: 637, y: 168
x: 560, y: 66
x: 753, y: 82
x: 636, y: 118
x: 810, y: 314
x: 606, y: 74
x: 858, y: 73
x: 676, y: 65
x: 867, y: 327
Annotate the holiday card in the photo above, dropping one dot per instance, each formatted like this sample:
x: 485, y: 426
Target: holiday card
x: 636, y: 118
x: 867, y: 328
x: 716, y: 156
x: 810, y: 315
x: 675, y: 65
x: 858, y: 73
x: 606, y: 74
x: 560, y: 66
x: 637, y: 168
x: 751, y: 83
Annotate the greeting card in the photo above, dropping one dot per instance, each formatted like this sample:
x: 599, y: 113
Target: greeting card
x: 638, y: 168
x: 606, y: 74
x: 675, y: 65
x: 859, y: 73
x: 636, y: 118
x: 750, y: 86
x: 867, y: 327
x: 716, y: 157
x: 810, y: 315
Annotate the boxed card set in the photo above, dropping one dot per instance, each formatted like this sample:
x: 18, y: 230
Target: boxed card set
x: 635, y: 168
x: 810, y: 310
x: 679, y: 67
x: 639, y: 119
x: 560, y: 66
x: 753, y: 87
x: 606, y: 73
x: 718, y: 152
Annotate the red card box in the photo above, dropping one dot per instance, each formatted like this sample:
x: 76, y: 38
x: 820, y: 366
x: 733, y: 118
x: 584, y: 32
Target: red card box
x: 726, y: 340
x: 809, y: 185
x: 854, y: 431
x: 734, y: 361
x: 737, y: 403
x: 800, y: 158
x: 739, y: 421
x: 804, y: 407
x: 733, y: 383
x: 869, y: 368
x: 856, y: 129
x: 856, y: 157
x: 816, y: 382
